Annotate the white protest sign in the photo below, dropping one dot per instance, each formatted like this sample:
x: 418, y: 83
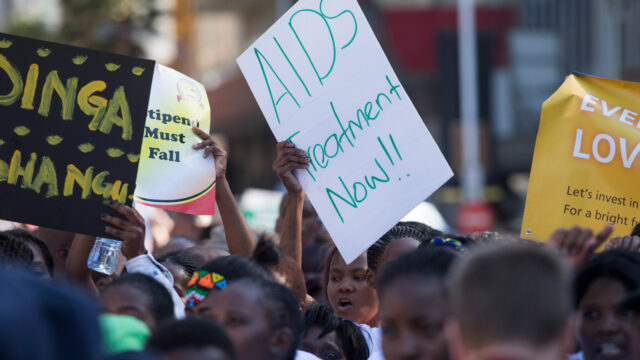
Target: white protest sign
x: 322, y: 80
x: 172, y: 175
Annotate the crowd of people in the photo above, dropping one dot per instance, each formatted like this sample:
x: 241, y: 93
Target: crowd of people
x: 416, y: 293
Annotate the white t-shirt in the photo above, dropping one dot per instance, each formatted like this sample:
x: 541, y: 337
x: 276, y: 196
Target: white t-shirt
x: 373, y: 336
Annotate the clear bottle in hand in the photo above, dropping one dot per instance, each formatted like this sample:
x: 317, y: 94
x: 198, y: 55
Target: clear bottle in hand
x: 104, y: 255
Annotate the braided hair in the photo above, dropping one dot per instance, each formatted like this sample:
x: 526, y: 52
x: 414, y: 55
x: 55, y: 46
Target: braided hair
x: 14, y: 251
x: 401, y: 230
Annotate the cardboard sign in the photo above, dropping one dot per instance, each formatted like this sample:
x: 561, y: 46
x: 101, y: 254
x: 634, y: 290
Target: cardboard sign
x: 322, y: 81
x: 172, y: 175
x: 585, y: 165
x: 70, y: 133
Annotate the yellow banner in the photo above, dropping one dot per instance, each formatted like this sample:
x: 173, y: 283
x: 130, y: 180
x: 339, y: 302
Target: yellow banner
x: 585, y: 164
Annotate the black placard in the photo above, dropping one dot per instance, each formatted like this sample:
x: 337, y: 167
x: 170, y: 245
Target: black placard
x: 71, y: 122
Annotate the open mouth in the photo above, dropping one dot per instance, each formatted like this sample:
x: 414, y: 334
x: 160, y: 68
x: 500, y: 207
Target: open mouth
x: 344, y: 304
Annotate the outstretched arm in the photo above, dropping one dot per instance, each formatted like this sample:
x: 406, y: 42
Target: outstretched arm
x: 236, y: 229
x: 289, y: 158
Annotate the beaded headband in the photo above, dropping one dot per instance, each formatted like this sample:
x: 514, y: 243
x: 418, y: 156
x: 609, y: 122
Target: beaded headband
x: 201, y: 283
x: 452, y: 243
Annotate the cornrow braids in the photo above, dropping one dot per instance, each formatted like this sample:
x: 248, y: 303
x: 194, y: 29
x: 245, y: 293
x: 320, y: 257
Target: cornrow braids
x: 14, y: 251
x: 401, y: 230
x: 30, y: 238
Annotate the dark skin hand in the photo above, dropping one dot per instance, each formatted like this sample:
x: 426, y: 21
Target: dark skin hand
x: 130, y: 229
x: 577, y: 245
x: 624, y: 242
x: 289, y: 158
x: 211, y: 147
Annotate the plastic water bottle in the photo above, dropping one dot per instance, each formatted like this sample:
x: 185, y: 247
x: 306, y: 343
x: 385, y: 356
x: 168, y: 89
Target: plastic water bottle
x: 104, y: 255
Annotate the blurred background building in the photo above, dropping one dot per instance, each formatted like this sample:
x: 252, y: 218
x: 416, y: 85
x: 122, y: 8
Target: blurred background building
x: 525, y: 48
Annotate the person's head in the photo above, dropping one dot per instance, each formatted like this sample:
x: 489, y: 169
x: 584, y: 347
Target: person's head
x: 284, y: 270
x: 347, y: 290
x: 631, y: 303
x: 510, y: 301
x: 330, y: 337
x: 202, y: 254
x: 59, y: 242
x: 401, y: 239
x: 182, y: 269
x: 427, y: 231
x: 176, y: 244
x: 42, y: 264
x: 14, y: 252
x: 603, y: 329
x: 216, y: 274
x: 139, y: 296
x: 191, y: 339
x: 261, y: 317
x: 414, y: 305
x: 312, y: 226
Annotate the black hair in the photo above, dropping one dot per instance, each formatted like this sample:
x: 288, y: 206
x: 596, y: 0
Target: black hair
x: 235, y: 267
x: 14, y: 251
x: 29, y: 237
x: 266, y: 254
x: 427, y: 231
x: 190, y: 333
x: 376, y: 251
x: 425, y: 262
x: 619, y: 264
x: 350, y: 337
x: 189, y: 266
x: 282, y: 308
x: 161, y: 302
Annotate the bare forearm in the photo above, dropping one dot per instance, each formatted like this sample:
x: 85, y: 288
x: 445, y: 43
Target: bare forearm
x: 236, y: 229
x: 76, y: 265
x: 291, y: 238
